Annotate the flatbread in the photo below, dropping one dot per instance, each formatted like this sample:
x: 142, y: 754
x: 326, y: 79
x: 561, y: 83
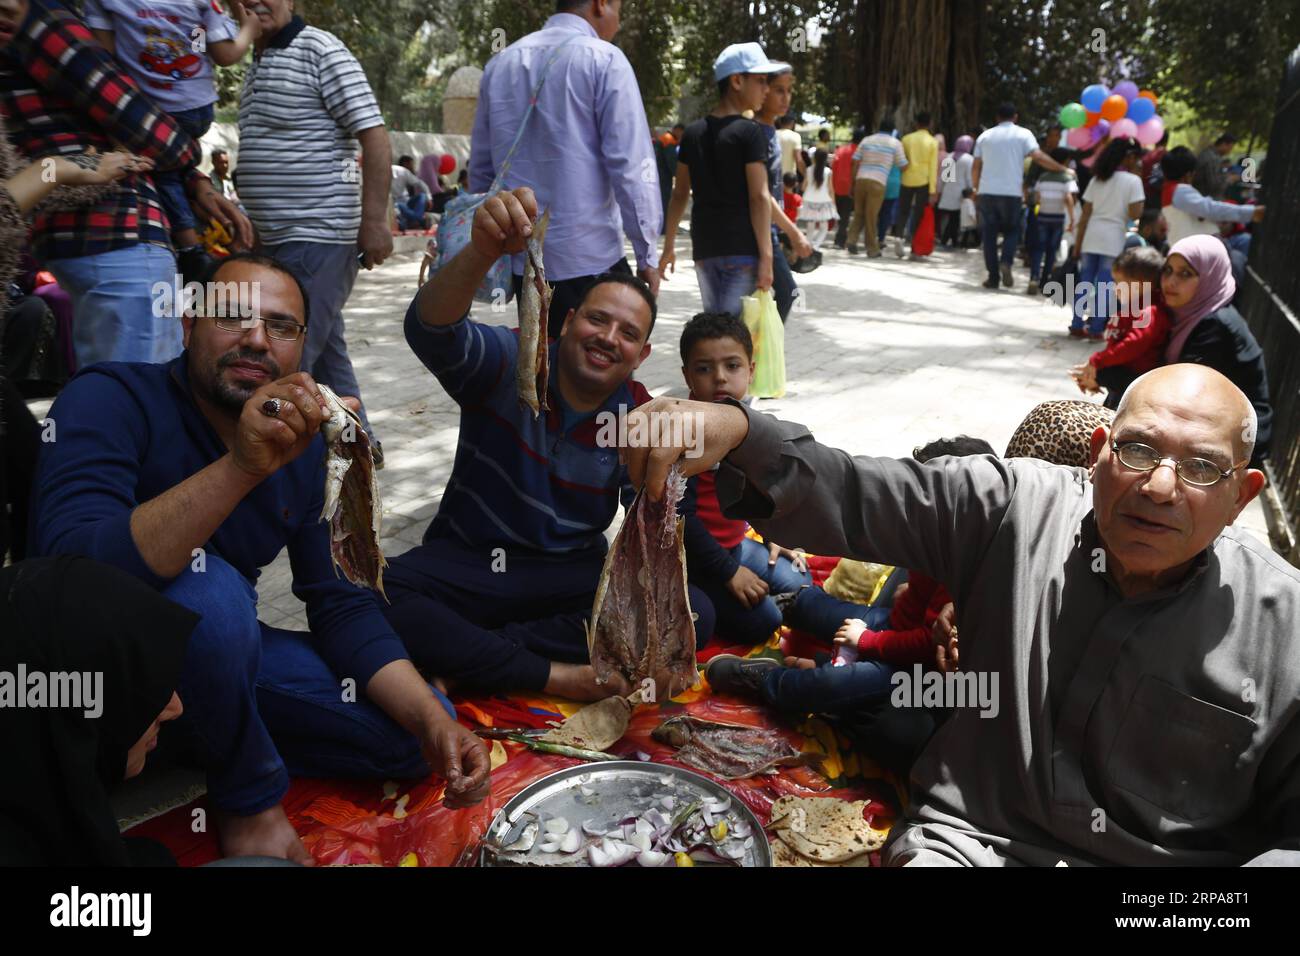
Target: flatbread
x: 825, y: 829
x: 597, y: 726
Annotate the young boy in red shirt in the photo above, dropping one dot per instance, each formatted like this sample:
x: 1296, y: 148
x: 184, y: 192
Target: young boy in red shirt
x: 791, y: 199
x: 737, y: 573
x: 1136, y: 334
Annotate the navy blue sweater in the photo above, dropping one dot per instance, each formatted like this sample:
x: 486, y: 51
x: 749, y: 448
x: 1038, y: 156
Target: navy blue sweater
x: 127, y: 432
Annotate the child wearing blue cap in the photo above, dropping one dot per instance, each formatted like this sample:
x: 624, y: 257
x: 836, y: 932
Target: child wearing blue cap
x: 722, y: 163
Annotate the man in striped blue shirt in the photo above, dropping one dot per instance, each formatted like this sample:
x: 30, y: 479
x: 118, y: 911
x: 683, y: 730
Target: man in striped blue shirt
x: 496, y: 596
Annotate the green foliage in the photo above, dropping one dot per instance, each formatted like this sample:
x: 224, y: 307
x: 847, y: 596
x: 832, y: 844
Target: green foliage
x: 1040, y: 55
x: 1225, y: 59
x: 1220, y: 60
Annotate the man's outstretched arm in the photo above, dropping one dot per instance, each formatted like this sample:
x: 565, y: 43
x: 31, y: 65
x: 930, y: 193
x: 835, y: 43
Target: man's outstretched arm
x: 502, y: 225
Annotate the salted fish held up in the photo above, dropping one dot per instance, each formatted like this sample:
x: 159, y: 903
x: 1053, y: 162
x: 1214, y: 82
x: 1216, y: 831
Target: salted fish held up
x: 531, y: 369
x: 352, y: 505
x: 641, y: 625
x: 730, y: 751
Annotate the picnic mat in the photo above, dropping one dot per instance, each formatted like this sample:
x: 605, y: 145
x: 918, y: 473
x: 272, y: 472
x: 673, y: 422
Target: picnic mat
x: 403, y: 822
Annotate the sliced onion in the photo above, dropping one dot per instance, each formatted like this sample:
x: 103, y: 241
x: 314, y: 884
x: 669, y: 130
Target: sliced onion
x: 549, y: 846
x: 669, y: 802
x: 585, y: 790
x: 557, y: 825
x: 572, y: 842
x: 597, y: 856
x: 642, y: 755
x: 643, y: 826
x: 709, y: 819
x: 666, y: 779
x: 718, y: 806
x: 591, y: 830
x: 739, y: 829
x: 731, y: 851
x: 651, y: 858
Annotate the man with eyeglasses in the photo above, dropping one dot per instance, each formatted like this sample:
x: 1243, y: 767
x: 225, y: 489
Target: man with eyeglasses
x: 193, y: 475
x: 1147, y: 655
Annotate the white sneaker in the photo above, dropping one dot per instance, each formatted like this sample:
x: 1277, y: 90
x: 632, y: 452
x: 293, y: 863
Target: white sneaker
x: 898, y: 246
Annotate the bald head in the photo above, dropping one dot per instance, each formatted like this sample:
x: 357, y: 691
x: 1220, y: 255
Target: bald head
x: 1194, y: 393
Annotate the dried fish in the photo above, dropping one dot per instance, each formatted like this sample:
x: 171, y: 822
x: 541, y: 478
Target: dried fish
x: 531, y: 371
x: 641, y: 625
x: 352, y: 505
x: 729, y: 751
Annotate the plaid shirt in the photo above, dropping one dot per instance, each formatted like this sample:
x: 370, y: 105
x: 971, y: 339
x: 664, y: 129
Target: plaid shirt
x: 60, y: 93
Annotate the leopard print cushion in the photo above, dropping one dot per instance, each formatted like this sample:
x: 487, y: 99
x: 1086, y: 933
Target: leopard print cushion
x: 1060, y: 432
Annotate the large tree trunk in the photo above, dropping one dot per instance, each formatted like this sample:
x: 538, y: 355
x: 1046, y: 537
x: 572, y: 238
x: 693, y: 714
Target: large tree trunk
x: 917, y: 55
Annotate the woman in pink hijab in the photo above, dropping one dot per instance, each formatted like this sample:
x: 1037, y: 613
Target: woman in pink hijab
x: 1198, y: 287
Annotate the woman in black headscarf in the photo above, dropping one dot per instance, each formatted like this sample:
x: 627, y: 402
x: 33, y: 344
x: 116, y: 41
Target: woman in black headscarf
x: 74, y: 615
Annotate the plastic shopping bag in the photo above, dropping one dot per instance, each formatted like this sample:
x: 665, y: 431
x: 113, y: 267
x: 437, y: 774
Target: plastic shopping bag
x: 453, y: 235
x: 968, y: 219
x: 923, y: 240
x: 764, y: 322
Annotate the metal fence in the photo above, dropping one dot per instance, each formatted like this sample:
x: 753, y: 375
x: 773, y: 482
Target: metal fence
x: 1272, y: 308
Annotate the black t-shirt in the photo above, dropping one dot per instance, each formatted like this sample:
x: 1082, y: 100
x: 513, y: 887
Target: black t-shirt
x: 717, y: 150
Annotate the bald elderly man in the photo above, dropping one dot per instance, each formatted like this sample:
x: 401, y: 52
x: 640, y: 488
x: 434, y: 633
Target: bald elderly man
x: 1144, y: 657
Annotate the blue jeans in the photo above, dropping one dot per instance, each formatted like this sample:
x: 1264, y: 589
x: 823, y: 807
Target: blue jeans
x: 724, y: 280
x: 1042, y: 252
x: 888, y: 210
x: 856, y: 699
x: 1094, y: 294
x: 1000, y: 215
x: 784, y: 288
x: 171, y: 182
x: 1032, y: 240
x: 328, y: 271
x: 410, y: 214
x: 260, y: 703
x: 821, y: 615
x: 751, y: 625
x: 113, y: 304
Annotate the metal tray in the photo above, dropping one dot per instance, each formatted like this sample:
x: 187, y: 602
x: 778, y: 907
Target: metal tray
x: 620, y: 789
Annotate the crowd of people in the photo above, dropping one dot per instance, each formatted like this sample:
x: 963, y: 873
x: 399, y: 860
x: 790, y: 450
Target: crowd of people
x: 189, y: 451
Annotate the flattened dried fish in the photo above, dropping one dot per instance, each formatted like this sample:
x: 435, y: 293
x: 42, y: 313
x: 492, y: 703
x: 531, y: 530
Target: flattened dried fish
x: 729, y: 751
x: 641, y: 625
x: 531, y: 370
x: 352, y: 505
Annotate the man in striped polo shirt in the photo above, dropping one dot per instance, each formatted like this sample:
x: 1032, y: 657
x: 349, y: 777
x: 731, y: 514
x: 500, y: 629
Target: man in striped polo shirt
x: 305, y: 106
x: 874, y: 158
x: 496, y: 596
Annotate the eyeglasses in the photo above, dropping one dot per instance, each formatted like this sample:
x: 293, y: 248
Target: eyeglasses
x: 285, y: 330
x: 1195, y: 471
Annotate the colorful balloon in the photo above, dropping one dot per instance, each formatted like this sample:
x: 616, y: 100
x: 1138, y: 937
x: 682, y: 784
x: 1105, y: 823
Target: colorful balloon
x: 1141, y: 110
x: 1103, y: 129
x: 1149, y: 133
x: 1093, y: 120
x: 1114, y: 108
x: 1127, y: 89
x: 1148, y: 95
x: 446, y: 165
x: 1080, y: 137
x: 1073, y: 115
x: 1123, y: 128
x: 1093, y: 96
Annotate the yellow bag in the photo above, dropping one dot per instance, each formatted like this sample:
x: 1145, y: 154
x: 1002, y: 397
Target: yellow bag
x: 764, y: 322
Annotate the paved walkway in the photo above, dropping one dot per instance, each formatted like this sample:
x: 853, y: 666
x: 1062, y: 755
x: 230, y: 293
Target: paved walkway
x: 882, y: 356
